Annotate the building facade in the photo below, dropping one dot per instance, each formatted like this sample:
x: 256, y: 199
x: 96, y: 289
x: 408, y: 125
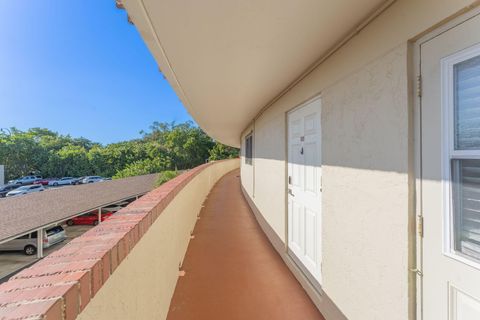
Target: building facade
x: 359, y: 128
x: 363, y: 168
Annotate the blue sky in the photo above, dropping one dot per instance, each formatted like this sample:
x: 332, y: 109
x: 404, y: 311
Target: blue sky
x: 79, y: 68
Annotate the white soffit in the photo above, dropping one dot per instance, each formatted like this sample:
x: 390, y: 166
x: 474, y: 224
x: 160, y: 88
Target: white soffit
x: 227, y: 59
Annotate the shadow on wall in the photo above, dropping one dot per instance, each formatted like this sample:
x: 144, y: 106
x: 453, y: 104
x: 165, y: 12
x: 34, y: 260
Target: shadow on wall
x: 365, y: 120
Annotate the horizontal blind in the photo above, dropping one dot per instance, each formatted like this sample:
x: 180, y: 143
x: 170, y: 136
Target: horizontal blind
x: 467, y: 104
x: 466, y: 201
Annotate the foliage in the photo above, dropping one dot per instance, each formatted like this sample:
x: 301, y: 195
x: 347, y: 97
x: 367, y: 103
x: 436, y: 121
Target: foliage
x: 187, y: 145
x: 221, y: 151
x: 166, y: 146
x: 141, y: 167
x: 165, y: 176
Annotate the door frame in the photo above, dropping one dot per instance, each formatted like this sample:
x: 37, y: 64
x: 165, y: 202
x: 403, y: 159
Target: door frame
x: 310, y: 278
x: 414, y: 52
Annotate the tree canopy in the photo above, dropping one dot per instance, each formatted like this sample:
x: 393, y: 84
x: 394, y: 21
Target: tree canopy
x: 165, y: 146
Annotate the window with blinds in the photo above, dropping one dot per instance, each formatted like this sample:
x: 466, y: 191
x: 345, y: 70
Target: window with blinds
x: 248, y: 149
x: 467, y: 104
x: 465, y: 158
x: 466, y: 206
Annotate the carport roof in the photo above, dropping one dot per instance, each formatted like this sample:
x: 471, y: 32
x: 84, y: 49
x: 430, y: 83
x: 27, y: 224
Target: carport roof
x: 24, y: 214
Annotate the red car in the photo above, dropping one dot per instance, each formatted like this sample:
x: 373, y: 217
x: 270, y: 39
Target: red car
x: 44, y: 182
x: 89, y: 218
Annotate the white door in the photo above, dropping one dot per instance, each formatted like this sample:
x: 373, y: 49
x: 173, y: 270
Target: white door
x: 450, y: 175
x: 304, y: 186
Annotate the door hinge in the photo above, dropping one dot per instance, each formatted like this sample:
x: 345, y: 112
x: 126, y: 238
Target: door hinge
x: 289, y: 179
x: 419, y: 85
x: 417, y: 272
x: 420, y: 226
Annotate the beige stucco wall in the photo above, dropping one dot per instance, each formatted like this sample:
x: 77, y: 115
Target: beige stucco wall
x: 365, y: 148
x: 365, y: 172
x: 143, y: 284
x: 247, y: 173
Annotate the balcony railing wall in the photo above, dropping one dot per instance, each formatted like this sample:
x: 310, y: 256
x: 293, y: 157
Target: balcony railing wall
x: 143, y: 285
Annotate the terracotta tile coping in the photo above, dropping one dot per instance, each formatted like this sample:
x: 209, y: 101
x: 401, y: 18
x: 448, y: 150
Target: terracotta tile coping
x: 60, y: 286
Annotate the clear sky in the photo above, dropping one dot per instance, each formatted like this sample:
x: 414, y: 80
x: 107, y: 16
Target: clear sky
x: 79, y: 68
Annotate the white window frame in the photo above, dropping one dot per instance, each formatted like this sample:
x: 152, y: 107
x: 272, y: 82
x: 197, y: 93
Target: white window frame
x: 448, y: 149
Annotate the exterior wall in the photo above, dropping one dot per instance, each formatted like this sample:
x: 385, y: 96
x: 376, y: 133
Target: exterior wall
x: 247, y: 170
x: 143, y: 284
x: 365, y: 198
x: 366, y: 149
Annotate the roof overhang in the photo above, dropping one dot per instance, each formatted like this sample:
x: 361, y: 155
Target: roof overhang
x: 226, y: 60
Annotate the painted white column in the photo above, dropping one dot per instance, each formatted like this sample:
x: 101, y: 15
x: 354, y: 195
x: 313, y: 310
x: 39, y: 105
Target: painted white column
x: 40, y: 243
x: 99, y: 215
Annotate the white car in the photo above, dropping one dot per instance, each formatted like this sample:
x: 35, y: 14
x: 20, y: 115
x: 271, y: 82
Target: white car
x: 28, y: 243
x: 26, y: 180
x: 62, y: 182
x: 26, y: 189
x: 92, y: 179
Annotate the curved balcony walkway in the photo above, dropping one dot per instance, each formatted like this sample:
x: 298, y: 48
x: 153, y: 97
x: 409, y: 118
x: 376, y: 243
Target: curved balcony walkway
x: 232, y: 271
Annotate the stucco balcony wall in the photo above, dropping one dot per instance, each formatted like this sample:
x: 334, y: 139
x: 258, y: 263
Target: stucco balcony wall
x: 143, y: 285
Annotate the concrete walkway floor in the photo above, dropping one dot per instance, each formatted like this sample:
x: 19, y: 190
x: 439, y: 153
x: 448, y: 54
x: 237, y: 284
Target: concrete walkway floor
x: 232, y: 271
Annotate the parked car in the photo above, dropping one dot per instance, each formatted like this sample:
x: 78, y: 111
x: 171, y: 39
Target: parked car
x: 89, y: 218
x: 45, y: 181
x: 26, y: 189
x: 6, y: 189
x: 79, y: 180
x: 62, y: 182
x: 28, y: 242
x: 92, y: 179
x: 27, y: 180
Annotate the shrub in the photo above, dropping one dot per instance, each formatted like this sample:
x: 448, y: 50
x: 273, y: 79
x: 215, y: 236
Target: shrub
x: 164, y: 176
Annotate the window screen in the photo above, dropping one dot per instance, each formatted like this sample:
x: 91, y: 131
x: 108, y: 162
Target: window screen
x: 465, y: 158
x: 467, y: 104
x: 248, y: 149
x: 466, y: 206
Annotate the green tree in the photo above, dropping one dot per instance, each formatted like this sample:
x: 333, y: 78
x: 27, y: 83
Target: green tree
x: 20, y: 154
x: 165, y: 176
x: 166, y: 146
x: 73, y: 161
x: 142, y: 167
x: 186, y: 144
x: 221, y: 151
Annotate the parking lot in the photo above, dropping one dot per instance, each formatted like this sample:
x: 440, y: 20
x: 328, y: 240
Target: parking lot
x: 81, y: 206
x: 45, y: 188
x: 11, y: 262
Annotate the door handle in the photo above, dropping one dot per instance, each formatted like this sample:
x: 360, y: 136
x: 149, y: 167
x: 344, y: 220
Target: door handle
x: 290, y: 192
